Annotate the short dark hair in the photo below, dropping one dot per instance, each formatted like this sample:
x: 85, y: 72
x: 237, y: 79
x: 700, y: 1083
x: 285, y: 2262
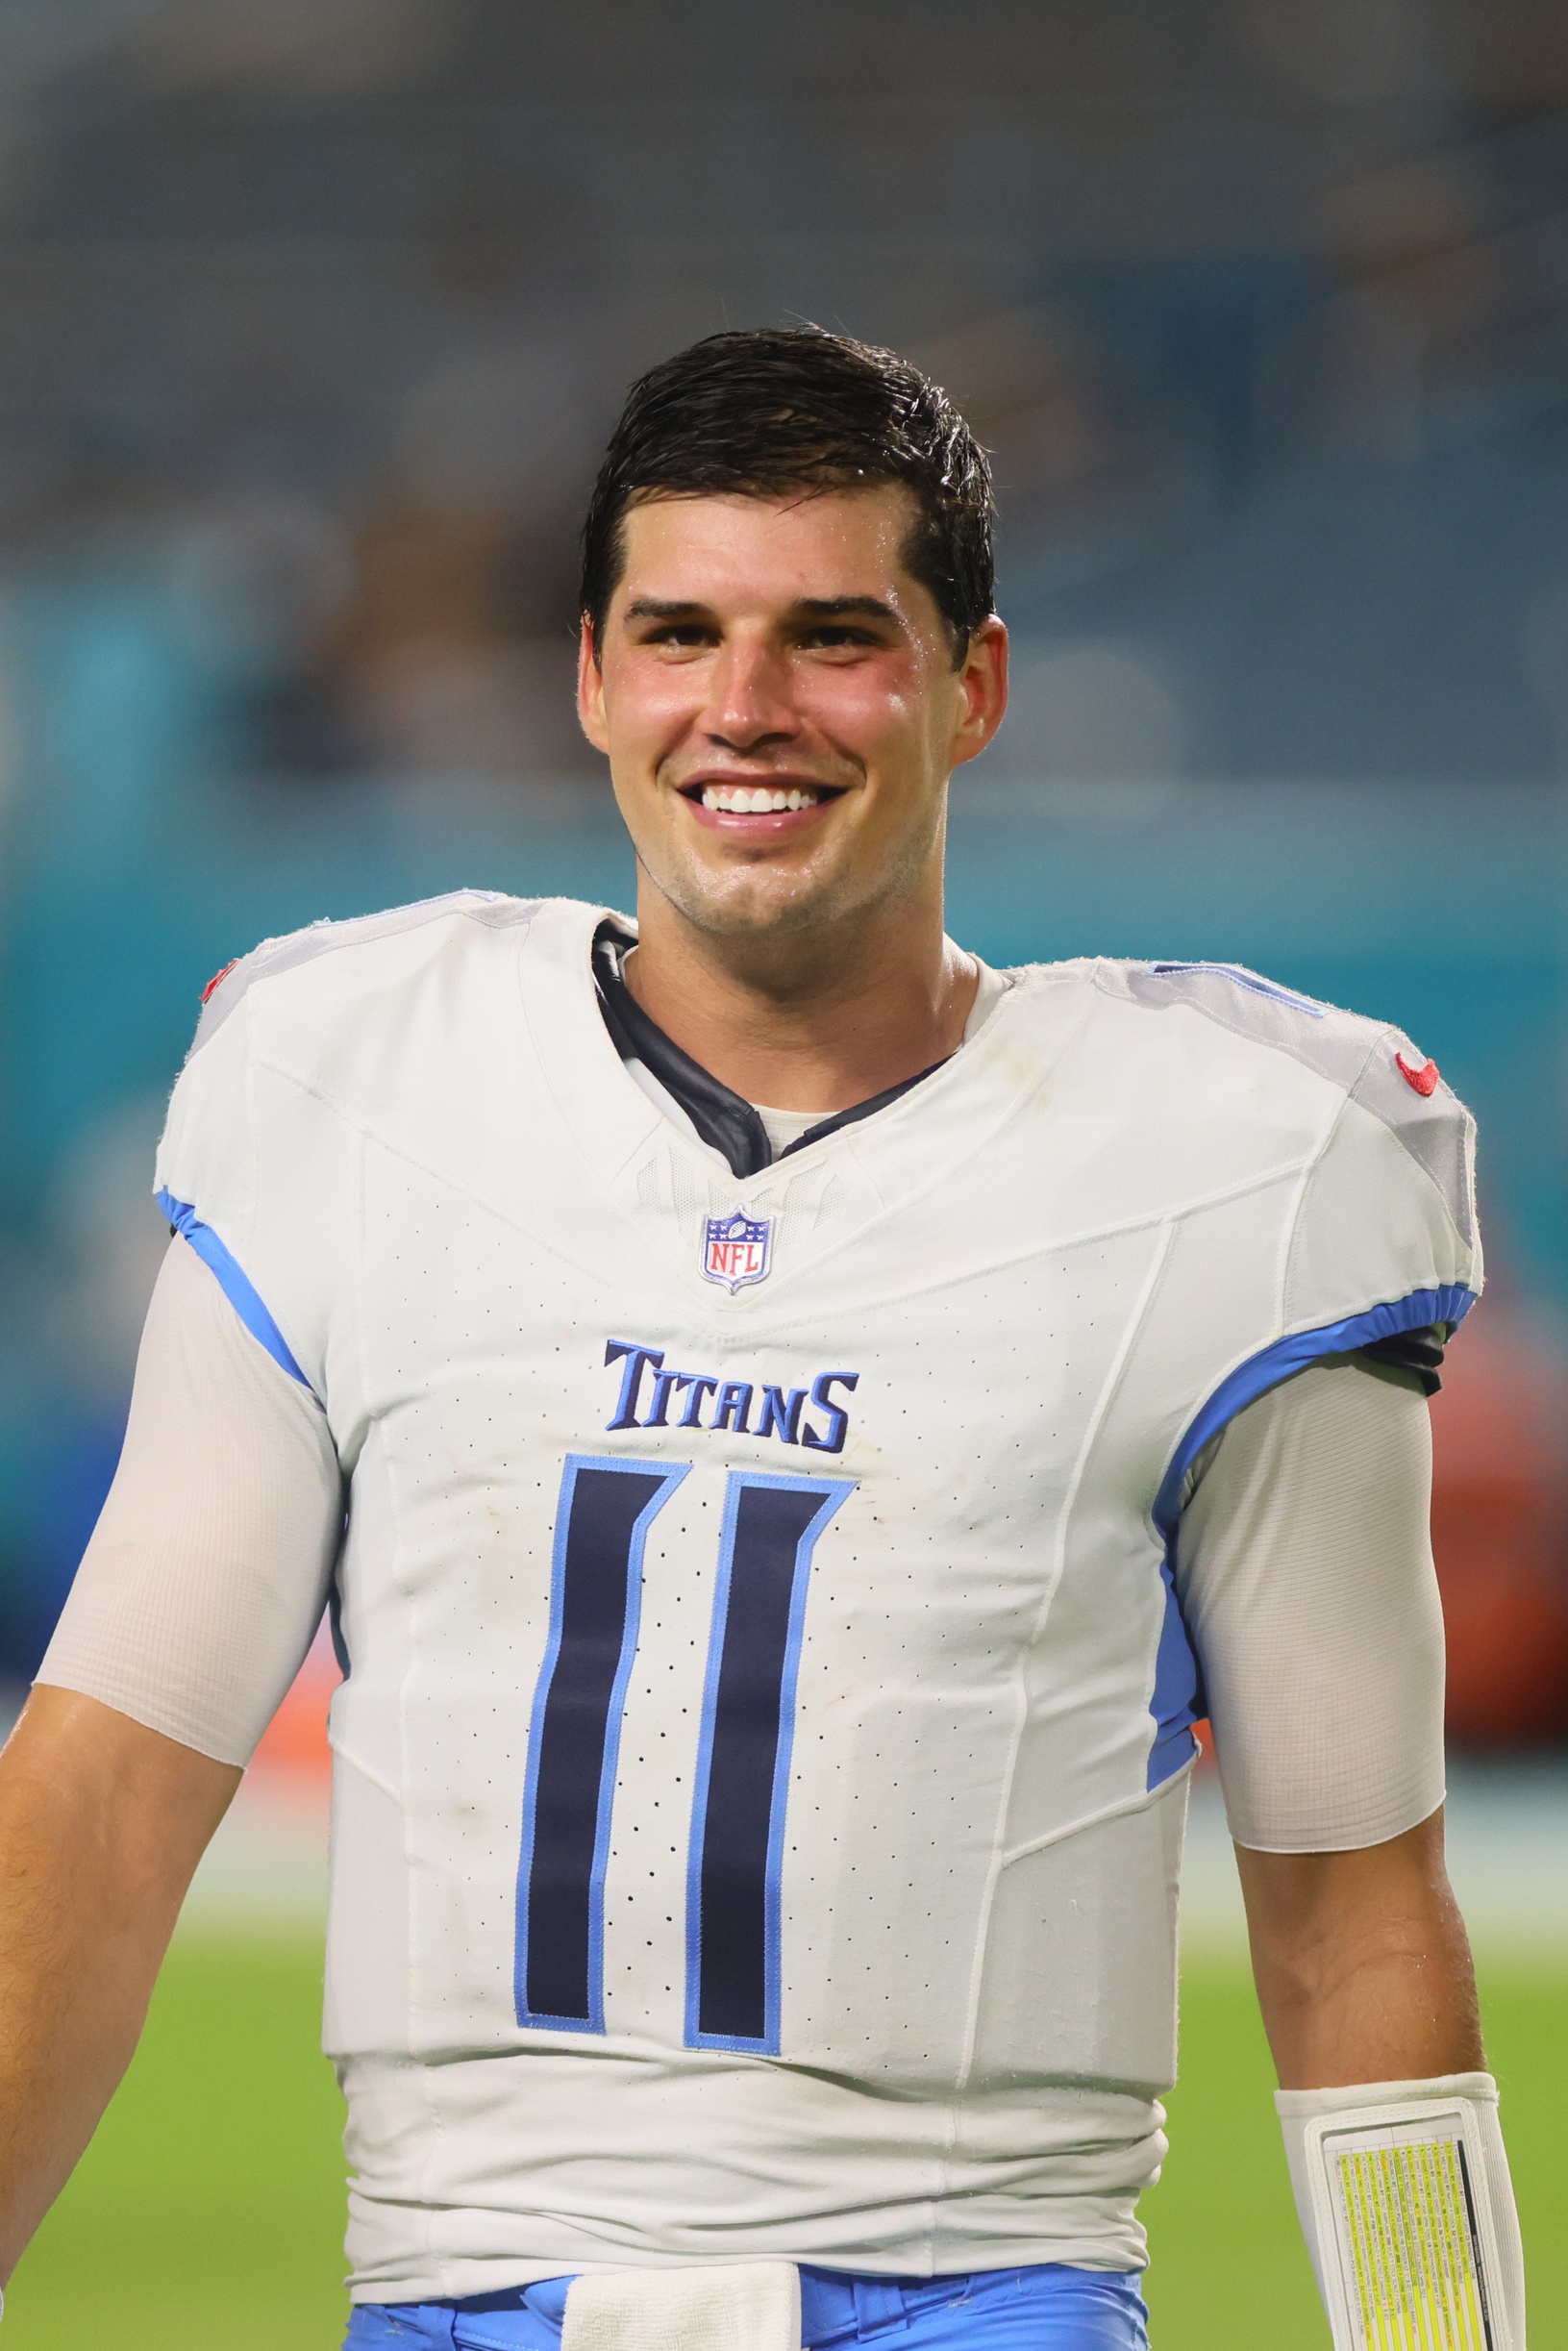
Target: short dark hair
x: 783, y: 408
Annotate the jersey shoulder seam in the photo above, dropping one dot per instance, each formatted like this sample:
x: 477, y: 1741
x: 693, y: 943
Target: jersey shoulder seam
x: 290, y: 949
x: 1235, y: 998
x: 1372, y: 1063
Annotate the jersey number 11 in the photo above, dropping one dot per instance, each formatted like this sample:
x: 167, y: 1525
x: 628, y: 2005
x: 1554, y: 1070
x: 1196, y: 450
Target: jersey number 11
x: 735, y: 1856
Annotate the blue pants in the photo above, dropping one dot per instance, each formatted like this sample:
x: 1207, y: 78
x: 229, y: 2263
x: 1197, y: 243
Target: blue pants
x: 1045, y: 2309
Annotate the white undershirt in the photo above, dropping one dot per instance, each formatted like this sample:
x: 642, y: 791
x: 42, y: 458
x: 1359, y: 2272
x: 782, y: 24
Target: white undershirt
x: 785, y: 1127
x: 1304, y: 1568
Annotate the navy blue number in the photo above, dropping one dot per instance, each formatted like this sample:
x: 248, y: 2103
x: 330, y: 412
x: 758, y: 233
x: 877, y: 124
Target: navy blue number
x: 734, y: 1872
x: 606, y: 1510
x: 771, y: 1525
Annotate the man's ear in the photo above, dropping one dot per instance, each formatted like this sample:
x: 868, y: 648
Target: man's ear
x: 591, y: 691
x: 982, y: 690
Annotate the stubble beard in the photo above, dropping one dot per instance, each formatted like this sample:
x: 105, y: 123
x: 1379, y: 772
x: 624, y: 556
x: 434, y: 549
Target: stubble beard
x: 753, y: 902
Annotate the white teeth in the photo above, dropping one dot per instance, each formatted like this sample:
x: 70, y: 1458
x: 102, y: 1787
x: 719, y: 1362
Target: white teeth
x: 756, y: 800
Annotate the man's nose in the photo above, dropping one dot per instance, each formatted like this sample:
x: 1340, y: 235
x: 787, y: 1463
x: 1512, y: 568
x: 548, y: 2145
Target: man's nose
x: 749, y: 704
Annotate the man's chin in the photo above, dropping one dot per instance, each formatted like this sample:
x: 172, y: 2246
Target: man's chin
x: 755, y: 903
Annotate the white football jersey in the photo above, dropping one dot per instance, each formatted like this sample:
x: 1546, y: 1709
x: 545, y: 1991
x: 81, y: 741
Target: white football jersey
x: 760, y: 1771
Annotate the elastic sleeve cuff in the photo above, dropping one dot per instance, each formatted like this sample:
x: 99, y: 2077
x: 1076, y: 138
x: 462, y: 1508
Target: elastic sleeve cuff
x: 1291, y: 2105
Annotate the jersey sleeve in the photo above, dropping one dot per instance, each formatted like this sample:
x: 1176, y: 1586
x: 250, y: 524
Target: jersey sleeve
x: 206, y: 1576
x: 252, y: 1170
x: 1305, y: 1572
x: 1385, y: 1240
x: 208, y: 1178
x: 1381, y: 1243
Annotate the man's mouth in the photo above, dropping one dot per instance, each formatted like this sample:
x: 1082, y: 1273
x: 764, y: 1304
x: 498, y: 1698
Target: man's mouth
x: 760, y: 814
x: 760, y: 799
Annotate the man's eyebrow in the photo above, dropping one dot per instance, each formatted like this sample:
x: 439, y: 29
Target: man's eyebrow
x: 803, y: 608
x: 661, y: 608
x: 848, y: 607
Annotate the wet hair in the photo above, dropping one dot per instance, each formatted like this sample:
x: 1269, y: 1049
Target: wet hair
x: 783, y: 409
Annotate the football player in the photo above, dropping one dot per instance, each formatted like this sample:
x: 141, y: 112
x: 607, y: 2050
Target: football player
x: 793, y: 1428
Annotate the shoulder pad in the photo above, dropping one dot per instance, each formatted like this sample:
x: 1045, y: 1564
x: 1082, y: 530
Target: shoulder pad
x: 1374, y: 1065
x: 228, y: 987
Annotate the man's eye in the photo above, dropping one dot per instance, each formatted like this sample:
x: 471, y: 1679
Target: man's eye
x: 685, y: 634
x: 834, y: 639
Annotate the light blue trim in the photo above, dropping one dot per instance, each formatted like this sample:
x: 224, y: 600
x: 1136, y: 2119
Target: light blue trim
x: 232, y: 1280
x: 1251, y: 980
x: 1177, y: 1689
x: 1174, y: 1700
x: 670, y: 1475
x: 1450, y: 1304
x: 835, y: 1493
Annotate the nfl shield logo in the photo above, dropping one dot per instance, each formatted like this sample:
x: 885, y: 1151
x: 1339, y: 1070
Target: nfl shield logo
x: 738, y: 1249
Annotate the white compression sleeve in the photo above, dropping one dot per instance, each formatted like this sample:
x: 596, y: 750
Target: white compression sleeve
x: 1407, y: 2209
x: 205, y: 1578
x: 1305, y: 1570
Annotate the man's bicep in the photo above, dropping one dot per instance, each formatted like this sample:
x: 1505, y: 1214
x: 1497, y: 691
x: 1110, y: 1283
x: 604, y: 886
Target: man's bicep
x: 207, y: 1573
x: 1305, y: 1572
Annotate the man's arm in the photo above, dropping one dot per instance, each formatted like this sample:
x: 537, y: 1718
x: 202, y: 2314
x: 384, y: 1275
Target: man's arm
x: 198, y: 1595
x: 1305, y: 1569
x: 1362, y: 1963
x: 1390, y: 2121
x: 102, y: 1823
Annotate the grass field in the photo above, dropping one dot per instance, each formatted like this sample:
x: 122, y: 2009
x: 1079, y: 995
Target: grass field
x: 209, y: 2211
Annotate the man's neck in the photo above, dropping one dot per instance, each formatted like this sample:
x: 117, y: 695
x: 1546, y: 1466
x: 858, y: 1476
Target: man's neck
x: 812, y: 1022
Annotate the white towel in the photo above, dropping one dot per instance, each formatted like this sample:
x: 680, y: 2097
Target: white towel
x: 739, y: 2305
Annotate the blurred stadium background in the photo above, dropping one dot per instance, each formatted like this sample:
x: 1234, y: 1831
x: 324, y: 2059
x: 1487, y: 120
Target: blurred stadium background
x: 312, y: 314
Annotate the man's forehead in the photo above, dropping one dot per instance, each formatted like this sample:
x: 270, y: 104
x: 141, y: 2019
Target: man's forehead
x: 807, y: 545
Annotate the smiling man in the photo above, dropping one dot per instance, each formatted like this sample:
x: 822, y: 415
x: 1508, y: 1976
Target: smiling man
x: 818, y: 1421
x: 785, y: 675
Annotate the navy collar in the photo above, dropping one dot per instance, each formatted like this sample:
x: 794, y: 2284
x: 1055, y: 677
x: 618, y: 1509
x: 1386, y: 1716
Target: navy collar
x: 724, y: 1119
